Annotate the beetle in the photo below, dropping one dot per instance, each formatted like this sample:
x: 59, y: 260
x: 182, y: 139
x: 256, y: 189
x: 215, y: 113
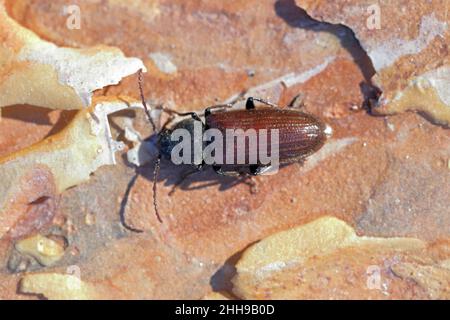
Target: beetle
x: 299, y: 134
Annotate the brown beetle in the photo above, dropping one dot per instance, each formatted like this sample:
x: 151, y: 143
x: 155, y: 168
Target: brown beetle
x: 299, y: 135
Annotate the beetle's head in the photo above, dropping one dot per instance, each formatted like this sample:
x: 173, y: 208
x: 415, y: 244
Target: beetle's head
x: 189, y: 129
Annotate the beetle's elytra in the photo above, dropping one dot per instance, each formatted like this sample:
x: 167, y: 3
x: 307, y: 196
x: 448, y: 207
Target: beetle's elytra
x: 298, y: 135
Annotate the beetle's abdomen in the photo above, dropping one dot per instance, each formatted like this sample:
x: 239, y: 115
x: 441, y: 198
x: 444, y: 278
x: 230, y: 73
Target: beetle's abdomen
x: 299, y: 134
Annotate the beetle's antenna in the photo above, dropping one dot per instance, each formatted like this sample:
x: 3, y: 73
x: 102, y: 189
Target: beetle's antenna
x: 158, y: 160
x: 147, y: 111
x: 155, y: 178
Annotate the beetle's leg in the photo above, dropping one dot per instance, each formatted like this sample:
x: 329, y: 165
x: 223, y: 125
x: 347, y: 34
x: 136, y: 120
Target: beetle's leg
x: 208, y: 110
x: 194, y: 115
x: 218, y: 170
x: 298, y: 102
x: 256, y: 170
x: 166, y: 124
x: 250, y: 104
x: 273, y: 105
x: 246, y: 178
x: 173, y: 113
x: 184, y: 177
x: 230, y: 104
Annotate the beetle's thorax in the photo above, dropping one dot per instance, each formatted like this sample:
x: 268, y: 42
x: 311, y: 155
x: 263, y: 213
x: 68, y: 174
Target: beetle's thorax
x: 186, y: 128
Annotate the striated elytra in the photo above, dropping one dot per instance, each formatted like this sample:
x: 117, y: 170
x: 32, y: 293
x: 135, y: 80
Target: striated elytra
x: 299, y: 134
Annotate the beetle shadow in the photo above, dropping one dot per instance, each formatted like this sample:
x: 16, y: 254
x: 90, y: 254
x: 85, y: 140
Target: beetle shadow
x: 296, y: 17
x: 173, y: 176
